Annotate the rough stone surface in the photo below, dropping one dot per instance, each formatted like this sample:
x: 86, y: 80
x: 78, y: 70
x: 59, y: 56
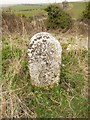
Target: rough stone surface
x: 44, y: 54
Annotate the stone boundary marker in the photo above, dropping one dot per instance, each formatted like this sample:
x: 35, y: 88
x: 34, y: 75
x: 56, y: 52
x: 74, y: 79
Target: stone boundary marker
x: 44, y: 55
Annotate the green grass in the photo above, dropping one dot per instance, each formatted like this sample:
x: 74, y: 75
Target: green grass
x: 28, y: 7
x: 75, y: 9
x: 33, y: 10
x: 64, y: 100
x: 31, y: 13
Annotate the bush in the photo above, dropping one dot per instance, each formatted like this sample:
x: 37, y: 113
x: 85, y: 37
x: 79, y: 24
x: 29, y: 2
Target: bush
x: 57, y: 18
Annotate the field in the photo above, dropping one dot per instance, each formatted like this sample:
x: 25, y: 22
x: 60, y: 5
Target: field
x: 68, y: 99
x: 27, y: 10
x: 75, y: 9
x: 18, y: 97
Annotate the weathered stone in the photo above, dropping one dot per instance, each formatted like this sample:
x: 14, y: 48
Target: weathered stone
x: 44, y: 54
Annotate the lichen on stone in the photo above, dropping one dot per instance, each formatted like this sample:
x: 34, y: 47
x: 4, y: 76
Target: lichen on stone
x: 44, y: 54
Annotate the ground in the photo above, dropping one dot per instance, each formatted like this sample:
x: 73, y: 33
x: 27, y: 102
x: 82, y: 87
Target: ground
x: 68, y: 99
x: 19, y: 98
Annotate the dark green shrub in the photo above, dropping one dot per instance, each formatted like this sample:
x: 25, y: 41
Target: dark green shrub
x: 57, y: 18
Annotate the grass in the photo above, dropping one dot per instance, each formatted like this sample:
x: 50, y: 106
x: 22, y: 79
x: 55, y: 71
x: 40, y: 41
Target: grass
x: 27, y: 10
x: 28, y: 7
x: 31, y: 13
x: 75, y: 9
x: 20, y: 99
x: 68, y: 99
